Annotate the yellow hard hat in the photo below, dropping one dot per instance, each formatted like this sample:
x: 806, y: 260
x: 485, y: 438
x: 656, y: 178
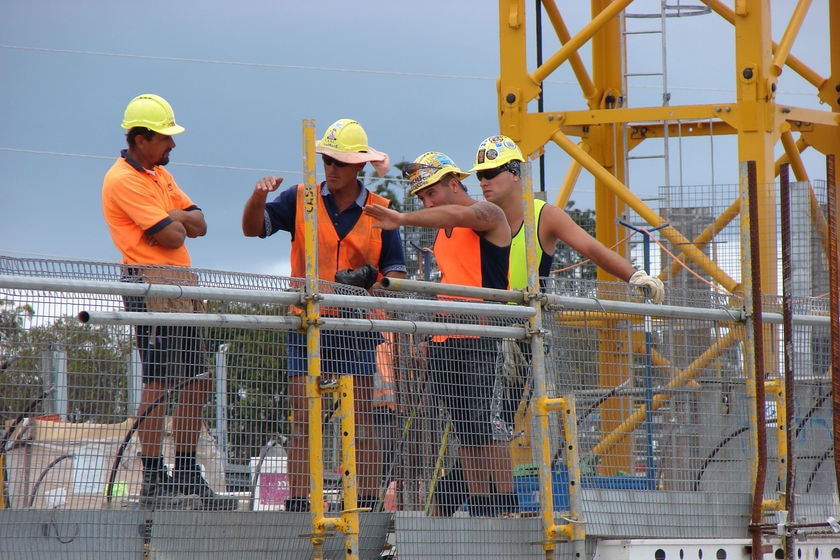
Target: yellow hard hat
x: 153, y: 112
x: 496, y: 151
x: 346, y: 141
x: 428, y: 169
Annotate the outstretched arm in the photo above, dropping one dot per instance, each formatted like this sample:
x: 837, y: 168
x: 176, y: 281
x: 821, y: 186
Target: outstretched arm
x: 482, y: 217
x: 556, y: 224
x: 447, y: 216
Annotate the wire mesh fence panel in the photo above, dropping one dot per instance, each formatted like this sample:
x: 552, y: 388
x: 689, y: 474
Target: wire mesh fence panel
x: 445, y: 413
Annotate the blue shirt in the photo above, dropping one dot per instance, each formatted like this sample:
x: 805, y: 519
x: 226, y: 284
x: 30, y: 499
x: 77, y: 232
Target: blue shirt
x: 280, y: 216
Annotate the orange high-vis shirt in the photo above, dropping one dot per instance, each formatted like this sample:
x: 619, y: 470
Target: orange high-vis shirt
x: 135, y: 204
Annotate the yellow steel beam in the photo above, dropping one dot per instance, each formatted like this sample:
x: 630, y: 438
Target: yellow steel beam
x: 732, y: 338
x: 311, y: 322
x: 793, y: 150
x: 620, y: 191
x: 348, y: 522
x: 568, y: 184
x: 792, y: 62
x: 644, y: 114
x: 760, y: 130
x: 608, y: 130
x: 604, y: 15
x: 515, y: 87
x: 830, y: 88
x: 824, y: 139
x: 608, y: 149
x: 590, y: 92
x: 782, y: 50
x: 804, y: 119
x: 777, y: 388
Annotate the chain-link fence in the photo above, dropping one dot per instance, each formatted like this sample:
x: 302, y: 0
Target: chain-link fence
x: 448, y: 444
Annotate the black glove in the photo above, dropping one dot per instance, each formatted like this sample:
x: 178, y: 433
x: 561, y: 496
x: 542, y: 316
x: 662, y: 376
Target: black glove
x: 362, y: 277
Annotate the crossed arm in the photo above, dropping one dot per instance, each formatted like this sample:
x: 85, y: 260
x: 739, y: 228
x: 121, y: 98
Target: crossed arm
x: 185, y: 223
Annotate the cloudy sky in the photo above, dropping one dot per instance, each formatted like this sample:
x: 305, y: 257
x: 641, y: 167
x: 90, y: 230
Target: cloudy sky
x: 242, y: 76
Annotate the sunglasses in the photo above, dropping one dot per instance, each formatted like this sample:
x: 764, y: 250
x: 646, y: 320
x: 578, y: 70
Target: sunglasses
x: 491, y: 173
x: 332, y: 161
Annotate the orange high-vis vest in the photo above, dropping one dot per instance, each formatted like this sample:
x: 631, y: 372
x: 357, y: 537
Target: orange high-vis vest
x: 363, y: 245
x: 461, y: 260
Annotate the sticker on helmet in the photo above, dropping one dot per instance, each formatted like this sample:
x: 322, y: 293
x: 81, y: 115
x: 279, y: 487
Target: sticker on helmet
x: 491, y: 154
x: 331, y: 138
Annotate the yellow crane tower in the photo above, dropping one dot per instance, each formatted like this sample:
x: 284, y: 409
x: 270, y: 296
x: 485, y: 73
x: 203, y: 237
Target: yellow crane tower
x: 600, y: 137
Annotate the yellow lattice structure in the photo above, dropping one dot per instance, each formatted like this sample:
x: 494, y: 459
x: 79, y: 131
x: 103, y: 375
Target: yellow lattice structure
x: 601, y: 137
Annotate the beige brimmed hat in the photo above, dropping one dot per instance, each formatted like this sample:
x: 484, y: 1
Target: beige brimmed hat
x: 346, y: 141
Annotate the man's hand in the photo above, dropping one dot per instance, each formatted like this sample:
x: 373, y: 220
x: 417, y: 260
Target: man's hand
x: 388, y: 219
x: 651, y: 287
x: 253, y: 219
x: 268, y: 184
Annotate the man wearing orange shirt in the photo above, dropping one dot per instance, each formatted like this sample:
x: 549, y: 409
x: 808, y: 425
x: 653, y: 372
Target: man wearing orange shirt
x: 471, y: 248
x: 149, y: 218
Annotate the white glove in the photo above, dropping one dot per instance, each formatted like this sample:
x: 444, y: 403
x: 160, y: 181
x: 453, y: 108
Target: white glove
x: 651, y: 287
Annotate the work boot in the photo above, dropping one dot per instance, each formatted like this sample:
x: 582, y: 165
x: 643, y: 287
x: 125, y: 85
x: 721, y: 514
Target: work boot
x: 158, y: 490
x: 192, y: 483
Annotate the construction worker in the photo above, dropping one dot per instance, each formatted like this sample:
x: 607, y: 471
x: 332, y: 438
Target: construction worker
x: 150, y: 218
x: 497, y: 165
x: 471, y: 248
x: 347, y: 240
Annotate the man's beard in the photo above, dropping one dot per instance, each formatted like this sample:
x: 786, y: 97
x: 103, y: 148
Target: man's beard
x: 164, y: 159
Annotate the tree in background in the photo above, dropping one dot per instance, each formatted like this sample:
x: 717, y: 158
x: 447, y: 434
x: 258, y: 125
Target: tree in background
x: 97, y: 358
x: 17, y: 387
x: 258, y: 408
x: 568, y: 263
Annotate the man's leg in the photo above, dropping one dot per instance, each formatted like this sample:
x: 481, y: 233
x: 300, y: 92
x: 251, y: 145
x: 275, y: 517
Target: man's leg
x: 154, y: 487
x: 188, y: 353
x: 150, y: 429
x: 186, y: 424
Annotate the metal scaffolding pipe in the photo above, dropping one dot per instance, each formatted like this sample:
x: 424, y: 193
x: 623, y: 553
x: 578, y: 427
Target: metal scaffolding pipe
x: 293, y: 297
x: 294, y: 322
x: 141, y: 289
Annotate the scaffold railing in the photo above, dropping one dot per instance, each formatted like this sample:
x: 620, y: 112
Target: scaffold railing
x: 647, y: 437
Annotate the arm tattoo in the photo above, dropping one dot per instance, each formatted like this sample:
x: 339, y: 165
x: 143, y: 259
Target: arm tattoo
x: 486, y: 213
